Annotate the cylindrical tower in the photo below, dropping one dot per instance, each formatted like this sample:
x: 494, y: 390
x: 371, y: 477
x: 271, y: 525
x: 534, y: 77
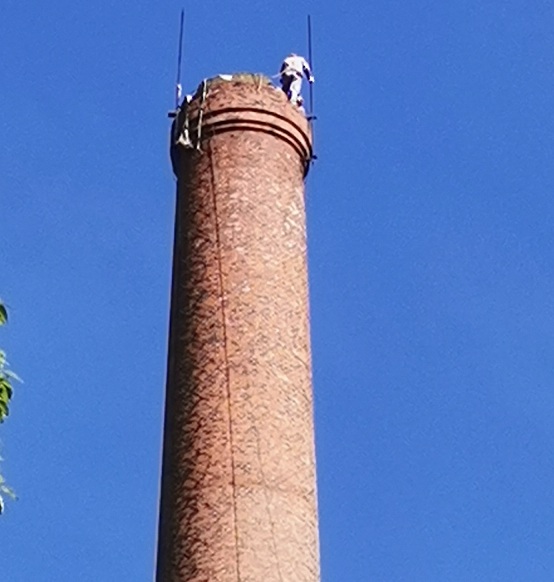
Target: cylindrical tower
x: 238, y: 499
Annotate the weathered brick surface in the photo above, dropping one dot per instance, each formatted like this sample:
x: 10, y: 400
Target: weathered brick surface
x: 238, y: 479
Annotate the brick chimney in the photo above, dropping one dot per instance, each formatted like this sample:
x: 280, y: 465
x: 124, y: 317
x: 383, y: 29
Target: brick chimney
x: 238, y: 494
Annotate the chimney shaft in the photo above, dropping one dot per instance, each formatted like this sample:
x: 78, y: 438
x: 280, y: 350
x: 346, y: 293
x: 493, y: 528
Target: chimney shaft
x: 238, y: 498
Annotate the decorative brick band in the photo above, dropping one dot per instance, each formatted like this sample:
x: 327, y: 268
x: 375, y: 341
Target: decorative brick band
x: 256, y: 119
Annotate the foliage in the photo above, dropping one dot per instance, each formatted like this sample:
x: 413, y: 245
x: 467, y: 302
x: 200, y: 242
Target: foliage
x: 5, y: 491
x: 7, y: 377
x: 6, y: 387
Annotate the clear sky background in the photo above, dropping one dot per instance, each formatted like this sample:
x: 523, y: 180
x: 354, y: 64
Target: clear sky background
x: 430, y: 219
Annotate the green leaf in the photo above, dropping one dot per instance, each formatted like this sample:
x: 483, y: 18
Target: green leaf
x: 3, y: 314
x: 5, y: 395
x: 4, y: 411
x: 6, y: 391
x: 8, y: 491
x: 13, y: 376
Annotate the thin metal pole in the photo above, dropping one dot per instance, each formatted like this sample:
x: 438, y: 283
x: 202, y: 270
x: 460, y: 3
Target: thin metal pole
x: 311, y: 116
x: 311, y: 61
x: 179, y: 60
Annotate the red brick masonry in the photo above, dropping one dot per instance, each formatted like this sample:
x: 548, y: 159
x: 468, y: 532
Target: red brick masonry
x: 238, y: 478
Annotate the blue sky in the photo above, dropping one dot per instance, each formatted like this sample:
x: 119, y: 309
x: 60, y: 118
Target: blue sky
x: 430, y: 213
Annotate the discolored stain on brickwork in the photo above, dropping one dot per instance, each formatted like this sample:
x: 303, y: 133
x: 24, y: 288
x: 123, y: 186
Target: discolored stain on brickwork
x: 238, y: 499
